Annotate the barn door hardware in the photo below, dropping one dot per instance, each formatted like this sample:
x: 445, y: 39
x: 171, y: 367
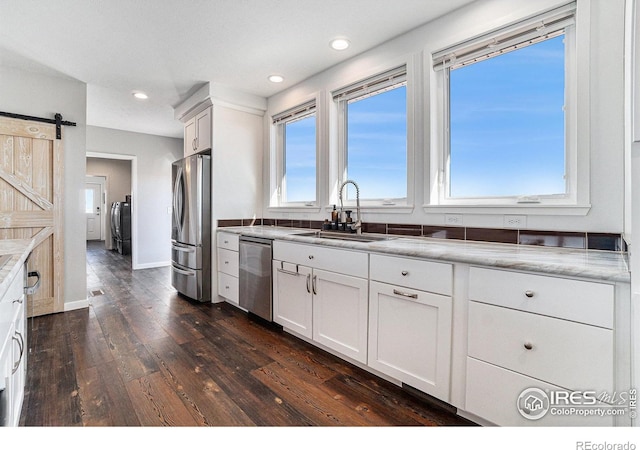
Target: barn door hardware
x: 57, y: 121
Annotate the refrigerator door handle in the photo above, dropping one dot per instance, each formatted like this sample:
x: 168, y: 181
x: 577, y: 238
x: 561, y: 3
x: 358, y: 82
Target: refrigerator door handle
x: 182, y: 248
x: 178, y: 194
x: 189, y: 273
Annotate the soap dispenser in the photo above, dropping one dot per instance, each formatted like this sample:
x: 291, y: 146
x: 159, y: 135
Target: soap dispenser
x: 334, y: 218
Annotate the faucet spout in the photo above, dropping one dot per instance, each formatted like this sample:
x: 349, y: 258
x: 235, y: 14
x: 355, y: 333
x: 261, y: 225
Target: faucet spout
x: 358, y: 225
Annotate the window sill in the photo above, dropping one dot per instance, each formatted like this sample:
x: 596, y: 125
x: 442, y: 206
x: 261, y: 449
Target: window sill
x: 377, y: 209
x: 294, y: 209
x: 524, y: 209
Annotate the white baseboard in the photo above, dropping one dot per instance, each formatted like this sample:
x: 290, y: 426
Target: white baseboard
x: 79, y: 304
x: 151, y: 265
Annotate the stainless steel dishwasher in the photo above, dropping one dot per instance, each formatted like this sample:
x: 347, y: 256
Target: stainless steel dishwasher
x: 255, y: 276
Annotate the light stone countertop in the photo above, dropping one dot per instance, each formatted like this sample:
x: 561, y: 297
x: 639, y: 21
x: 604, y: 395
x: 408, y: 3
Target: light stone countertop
x: 590, y: 264
x: 19, y: 249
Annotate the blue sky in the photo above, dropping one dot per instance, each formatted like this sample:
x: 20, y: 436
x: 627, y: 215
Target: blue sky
x: 300, y: 159
x: 507, y: 124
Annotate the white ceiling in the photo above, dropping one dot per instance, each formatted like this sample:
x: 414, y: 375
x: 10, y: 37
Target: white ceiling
x: 169, y: 48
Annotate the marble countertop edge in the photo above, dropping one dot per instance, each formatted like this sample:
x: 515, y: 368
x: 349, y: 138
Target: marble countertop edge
x: 591, y: 264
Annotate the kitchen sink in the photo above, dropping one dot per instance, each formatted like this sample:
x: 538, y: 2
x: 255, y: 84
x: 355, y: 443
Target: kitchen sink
x: 347, y: 236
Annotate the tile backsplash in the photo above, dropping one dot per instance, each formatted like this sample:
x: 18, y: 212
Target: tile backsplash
x: 579, y: 240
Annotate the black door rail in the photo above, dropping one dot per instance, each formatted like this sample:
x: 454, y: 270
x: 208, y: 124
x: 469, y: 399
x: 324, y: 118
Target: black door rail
x: 57, y: 121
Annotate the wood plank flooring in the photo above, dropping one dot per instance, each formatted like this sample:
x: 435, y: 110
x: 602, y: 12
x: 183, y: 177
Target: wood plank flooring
x: 141, y: 355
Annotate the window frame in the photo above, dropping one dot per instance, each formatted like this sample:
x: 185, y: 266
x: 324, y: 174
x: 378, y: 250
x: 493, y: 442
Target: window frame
x: 576, y: 198
x: 279, y: 121
x: 369, y: 85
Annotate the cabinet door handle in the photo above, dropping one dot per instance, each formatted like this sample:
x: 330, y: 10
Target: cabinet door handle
x: 405, y: 294
x: 30, y: 290
x: 18, y: 300
x: 405, y: 273
x: 20, y: 342
x: 288, y: 272
x: 194, y: 143
x: 529, y: 294
x: 310, y: 256
x: 315, y: 279
x: 308, y: 283
x: 528, y: 346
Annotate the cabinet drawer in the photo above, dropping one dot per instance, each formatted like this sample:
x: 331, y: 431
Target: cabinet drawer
x: 564, y: 353
x: 492, y: 393
x: 580, y: 301
x: 333, y: 260
x: 413, y: 273
x: 229, y: 241
x: 228, y: 262
x: 228, y: 287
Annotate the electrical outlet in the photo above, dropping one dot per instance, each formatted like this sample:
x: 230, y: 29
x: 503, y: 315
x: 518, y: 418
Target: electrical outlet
x: 517, y: 222
x: 453, y: 219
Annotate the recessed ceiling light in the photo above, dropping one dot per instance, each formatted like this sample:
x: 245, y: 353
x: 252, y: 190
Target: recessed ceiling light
x: 276, y: 78
x: 140, y: 95
x: 339, y: 44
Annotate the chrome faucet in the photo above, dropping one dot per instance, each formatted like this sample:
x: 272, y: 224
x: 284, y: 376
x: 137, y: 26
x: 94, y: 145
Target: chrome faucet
x: 358, y: 225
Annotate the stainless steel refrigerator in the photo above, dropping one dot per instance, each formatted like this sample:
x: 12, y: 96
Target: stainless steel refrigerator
x: 191, y: 227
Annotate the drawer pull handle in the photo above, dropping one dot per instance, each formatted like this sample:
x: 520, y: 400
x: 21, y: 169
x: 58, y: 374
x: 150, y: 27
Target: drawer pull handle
x: 404, y: 273
x: 405, y: 294
x: 310, y: 256
x: 528, y: 346
x: 529, y: 294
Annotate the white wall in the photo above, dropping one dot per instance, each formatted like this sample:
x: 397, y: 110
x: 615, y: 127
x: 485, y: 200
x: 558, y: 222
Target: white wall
x: 601, y: 130
x: 151, y: 186
x: 36, y: 94
x: 118, y: 185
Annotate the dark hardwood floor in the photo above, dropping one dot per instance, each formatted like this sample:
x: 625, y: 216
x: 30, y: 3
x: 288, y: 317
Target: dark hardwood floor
x: 141, y: 355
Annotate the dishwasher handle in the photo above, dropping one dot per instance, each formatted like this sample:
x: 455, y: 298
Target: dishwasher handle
x: 30, y: 290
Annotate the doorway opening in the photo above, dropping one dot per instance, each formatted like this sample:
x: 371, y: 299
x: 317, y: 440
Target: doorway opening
x: 118, y: 212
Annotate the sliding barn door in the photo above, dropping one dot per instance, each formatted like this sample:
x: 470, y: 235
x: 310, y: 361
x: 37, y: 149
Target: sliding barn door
x: 31, y: 180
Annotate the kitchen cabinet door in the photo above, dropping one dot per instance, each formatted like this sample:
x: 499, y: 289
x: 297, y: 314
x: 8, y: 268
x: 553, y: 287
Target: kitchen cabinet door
x: 340, y: 311
x: 292, y: 297
x: 190, y: 137
x: 410, y: 337
x: 197, y: 133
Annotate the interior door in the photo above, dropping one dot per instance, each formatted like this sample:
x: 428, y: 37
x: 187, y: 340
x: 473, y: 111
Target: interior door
x: 93, y: 197
x: 31, y: 206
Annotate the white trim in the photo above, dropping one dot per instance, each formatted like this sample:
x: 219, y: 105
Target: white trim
x: 409, y: 67
x: 531, y: 210
x: 78, y: 304
x: 134, y: 197
x: 576, y: 201
x: 277, y: 180
x: 151, y: 265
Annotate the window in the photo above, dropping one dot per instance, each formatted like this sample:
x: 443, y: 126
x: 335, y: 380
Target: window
x: 88, y: 201
x: 373, y: 130
x: 507, y: 132
x: 296, y: 131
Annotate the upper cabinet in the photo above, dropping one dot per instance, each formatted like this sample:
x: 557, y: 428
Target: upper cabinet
x: 197, y: 132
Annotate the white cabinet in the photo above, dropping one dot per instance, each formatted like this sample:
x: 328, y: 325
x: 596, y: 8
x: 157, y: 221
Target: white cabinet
x: 293, y: 297
x: 409, y: 328
x: 340, y: 306
x: 322, y: 293
x: 532, y: 331
x: 13, y: 357
x: 198, y: 132
x: 228, y: 261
